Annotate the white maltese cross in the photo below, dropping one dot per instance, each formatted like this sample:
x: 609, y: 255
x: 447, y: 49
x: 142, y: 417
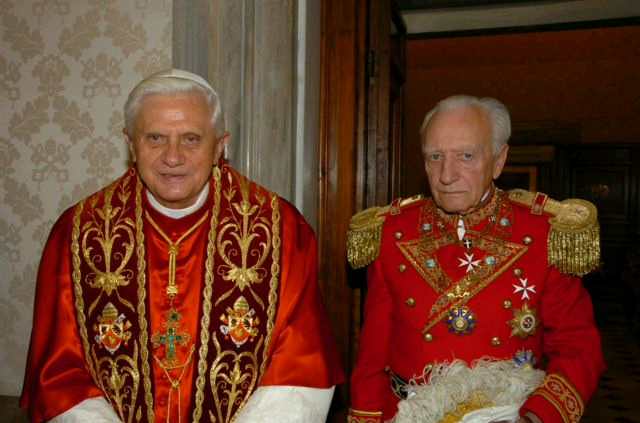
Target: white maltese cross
x: 524, y: 288
x: 469, y: 262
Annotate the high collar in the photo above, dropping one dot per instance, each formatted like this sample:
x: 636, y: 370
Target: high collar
x: 488, y: 206
x: 179, y: 213
x: 175, y: 227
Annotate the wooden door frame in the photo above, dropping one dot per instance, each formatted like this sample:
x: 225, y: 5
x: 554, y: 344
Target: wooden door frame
x: 357, y: 164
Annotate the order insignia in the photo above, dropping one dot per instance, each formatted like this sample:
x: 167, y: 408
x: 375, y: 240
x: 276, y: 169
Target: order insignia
x: 524, y: 358
x: 524, y: 323
x: 461, y: 320
x: 112, y: 329
x: 524, y: 288
x: 240, y: 323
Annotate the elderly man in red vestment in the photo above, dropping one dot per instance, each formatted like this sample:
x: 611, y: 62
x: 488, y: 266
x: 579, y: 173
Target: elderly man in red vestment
x: 182, y: 291
x: 475, y: 310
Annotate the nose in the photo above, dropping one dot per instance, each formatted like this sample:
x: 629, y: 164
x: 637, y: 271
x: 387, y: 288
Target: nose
x: 448, y: 171
x: 173, y: 155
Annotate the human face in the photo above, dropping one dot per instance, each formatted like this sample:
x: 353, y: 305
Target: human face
x: 459, y: 158
x: 174, y: 147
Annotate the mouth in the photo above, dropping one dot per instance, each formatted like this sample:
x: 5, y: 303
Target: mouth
x: 170, y: 177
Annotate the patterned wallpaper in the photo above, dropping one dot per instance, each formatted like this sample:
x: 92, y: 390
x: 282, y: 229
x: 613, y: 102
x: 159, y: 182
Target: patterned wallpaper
x: 66, y: 67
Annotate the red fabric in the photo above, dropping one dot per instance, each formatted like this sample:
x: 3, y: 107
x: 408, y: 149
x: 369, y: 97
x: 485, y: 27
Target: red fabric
x: 392, y: 333
x: 303, y: 350
x: 189, y: 277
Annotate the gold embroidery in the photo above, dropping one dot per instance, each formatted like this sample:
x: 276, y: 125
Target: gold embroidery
x: 107, y: 225
x: 142, y: 295
x: 240, y: 323
x: 563, y: 396
x: 207, y: 298
x: 364, y: 236
x: 112, y: 329
x: 574, y: 238
x: 112, y: 379
x: 360, y: 416
x: 244, y: 226
x: 235, y: 384
x: 107, y: 372
x: 506, y: 254
x: 275, y: 277
x: 77, y: 287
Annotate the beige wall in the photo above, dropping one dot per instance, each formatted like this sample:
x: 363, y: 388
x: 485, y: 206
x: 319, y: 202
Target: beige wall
x: 66, y: 67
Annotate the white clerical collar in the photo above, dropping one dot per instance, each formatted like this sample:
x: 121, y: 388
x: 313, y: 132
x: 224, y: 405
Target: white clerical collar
x: 179, y: 213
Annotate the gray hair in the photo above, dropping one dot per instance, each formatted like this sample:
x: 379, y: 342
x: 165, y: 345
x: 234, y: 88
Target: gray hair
x: 497, y: 113
x: 173, y: 81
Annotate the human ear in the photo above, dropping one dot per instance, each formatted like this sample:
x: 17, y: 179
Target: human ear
x: 221, y: 146
x: 500, y: 160
x: 129, y: 141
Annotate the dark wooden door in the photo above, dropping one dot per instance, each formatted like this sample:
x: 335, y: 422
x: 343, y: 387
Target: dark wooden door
x: 361, y: 135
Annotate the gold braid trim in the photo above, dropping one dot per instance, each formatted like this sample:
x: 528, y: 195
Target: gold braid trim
x: 574, y: 238
x: 142, y: 295
x: 563, y: 396
x: 359, y: 416
x: 207, y: 295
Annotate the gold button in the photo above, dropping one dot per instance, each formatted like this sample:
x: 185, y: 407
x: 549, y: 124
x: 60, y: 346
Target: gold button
x: 410, y: 302
x: 398, y: 235
x: 527, y: 240
x: 517, y: 272
x: 428, y: 337
x: 495, y: 341
x: 506, y: 304
x: 402, y: 268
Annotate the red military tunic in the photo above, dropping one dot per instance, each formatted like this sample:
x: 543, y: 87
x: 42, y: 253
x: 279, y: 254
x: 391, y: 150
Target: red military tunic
x: 434, y: 298
x: 58, y: 376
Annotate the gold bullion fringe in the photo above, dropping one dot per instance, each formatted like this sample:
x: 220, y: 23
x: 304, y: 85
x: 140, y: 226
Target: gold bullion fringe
x: 575, y: 253
x: 364, y: 236
x: 574, y: 238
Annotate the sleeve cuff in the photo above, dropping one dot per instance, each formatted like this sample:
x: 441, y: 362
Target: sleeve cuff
x: 287, y: 404
x: 360, y: 416
x: 95, y: 410
x: 556, y: 400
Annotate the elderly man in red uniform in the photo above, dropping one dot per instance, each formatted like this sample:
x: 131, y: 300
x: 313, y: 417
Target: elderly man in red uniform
x: 182, y: 291
x: 475, y: 310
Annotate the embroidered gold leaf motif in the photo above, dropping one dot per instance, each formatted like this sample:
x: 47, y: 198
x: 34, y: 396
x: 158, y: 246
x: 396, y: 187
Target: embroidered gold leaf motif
x: 244, y: 236
x: 232, y: 386
x: 107, y: 226
x: 119, y: 378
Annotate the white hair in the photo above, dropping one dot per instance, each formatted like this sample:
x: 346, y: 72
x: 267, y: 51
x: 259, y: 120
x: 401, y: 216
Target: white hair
x: 173, y: 81
x: 497, y: 113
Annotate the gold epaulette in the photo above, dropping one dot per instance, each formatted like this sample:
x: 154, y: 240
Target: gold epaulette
x: 365, y: 232
x: 574, y: 238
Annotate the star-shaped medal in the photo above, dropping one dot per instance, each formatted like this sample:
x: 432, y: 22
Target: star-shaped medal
x: 524, y: 288
x: 469, y: 262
